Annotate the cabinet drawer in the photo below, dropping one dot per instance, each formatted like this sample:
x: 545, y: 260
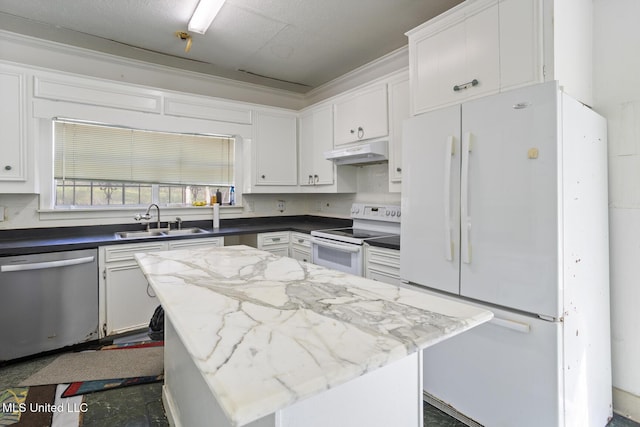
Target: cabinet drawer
x: 301, y: 254
x: 126, y: 252
x: 384, y: 257
x: 198, y: 243
x: 301, y: 239
x: 273, y: 239
x: 383, y: 264
x: 384, y: 276
x: 280, y: 251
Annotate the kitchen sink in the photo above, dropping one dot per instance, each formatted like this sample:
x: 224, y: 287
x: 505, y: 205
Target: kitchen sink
x: 185, y: 231
x: 139, y: 234
x: 158, y: 233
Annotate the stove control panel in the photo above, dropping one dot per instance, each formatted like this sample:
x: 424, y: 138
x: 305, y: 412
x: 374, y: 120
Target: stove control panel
x: 374, y: 212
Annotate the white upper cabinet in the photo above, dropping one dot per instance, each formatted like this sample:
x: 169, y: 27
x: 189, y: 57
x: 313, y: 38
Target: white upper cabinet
x: 398, y: 112
x: 455, y: 56
x: 520, y: 43
x: 316, y: 137
x: 12, y: 122
x: 275, y: 140
x: 486, y: 46
x: 362, y: 115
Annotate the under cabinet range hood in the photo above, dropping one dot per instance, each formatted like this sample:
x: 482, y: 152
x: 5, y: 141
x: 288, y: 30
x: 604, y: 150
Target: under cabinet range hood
x: 365, y: 153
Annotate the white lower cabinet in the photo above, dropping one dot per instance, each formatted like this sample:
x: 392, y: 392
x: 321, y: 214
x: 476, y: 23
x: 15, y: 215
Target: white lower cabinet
x: 276, y: 242
x: 127, y: 301
x: 300, y: 246
x: 382, y: 264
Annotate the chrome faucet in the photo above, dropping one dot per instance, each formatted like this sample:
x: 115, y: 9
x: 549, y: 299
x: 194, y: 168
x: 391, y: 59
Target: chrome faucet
x: 147, y: 215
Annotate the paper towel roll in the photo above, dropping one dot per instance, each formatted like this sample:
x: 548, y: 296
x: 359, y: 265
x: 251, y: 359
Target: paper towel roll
x: 216, y: 215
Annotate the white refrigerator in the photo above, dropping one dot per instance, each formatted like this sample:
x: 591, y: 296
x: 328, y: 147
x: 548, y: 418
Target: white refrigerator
x: 504, y: 205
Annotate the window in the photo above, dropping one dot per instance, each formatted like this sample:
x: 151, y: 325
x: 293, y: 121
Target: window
x: 100, y: 165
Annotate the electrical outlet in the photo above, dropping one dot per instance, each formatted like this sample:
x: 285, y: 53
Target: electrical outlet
x: 280, y: 205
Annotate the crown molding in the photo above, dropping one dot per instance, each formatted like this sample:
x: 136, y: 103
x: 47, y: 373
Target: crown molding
x: 53, y: 55
x: 397, y: 60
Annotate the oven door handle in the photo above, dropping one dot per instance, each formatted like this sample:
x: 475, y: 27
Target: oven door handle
x: 335, y: 245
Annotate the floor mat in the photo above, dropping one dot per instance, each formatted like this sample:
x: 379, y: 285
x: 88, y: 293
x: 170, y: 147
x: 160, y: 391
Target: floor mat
x: 100, y: 365
x: 27, y: 406
x: 86, y: 387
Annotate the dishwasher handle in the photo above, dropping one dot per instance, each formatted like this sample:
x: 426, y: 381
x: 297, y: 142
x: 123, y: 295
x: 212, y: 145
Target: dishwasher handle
x: 46, y: 264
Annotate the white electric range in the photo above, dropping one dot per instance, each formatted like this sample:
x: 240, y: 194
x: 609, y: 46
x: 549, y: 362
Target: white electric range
x: 342, y: 248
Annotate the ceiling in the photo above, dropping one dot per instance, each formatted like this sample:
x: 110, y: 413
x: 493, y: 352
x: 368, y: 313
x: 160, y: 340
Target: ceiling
x: 295, y: 45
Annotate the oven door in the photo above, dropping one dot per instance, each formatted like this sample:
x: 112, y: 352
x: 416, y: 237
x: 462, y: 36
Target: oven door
x: 345, y: 257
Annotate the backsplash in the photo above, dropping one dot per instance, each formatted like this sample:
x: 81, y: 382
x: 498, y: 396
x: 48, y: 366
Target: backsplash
x: 22, y: 210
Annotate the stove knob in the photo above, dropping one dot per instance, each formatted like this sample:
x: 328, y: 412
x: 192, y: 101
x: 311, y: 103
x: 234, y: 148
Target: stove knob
x: 393, y: 213
x: 388, y: 213
x: 399, y: 214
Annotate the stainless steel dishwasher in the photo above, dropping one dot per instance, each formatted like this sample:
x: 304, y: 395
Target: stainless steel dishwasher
x: 48, y: 301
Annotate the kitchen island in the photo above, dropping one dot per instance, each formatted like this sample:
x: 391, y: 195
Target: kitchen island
x: 255, y: 339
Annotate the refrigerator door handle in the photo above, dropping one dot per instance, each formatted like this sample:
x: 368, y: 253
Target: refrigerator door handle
x: 525, y: 328
x: 448, y: 160
x: 464, y: 202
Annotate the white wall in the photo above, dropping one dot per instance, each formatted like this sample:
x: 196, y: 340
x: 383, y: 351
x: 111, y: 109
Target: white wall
x: 617, y: 97
x: 21, y: 210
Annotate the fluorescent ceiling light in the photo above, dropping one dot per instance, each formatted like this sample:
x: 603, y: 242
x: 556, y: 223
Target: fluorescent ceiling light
x: 204, y: 15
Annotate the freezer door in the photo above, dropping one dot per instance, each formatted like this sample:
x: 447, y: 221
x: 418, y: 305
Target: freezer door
x: 506, y: 372
x: 430, y: 230
x: 509, y: 194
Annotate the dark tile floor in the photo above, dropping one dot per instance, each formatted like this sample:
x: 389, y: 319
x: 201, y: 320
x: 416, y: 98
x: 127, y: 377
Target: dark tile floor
x: 141, y: 405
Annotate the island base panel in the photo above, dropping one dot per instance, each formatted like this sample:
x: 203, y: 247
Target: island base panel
x: 391, y: 395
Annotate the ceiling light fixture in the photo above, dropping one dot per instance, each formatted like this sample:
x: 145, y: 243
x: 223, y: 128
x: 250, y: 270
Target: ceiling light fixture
x: 204, y: 15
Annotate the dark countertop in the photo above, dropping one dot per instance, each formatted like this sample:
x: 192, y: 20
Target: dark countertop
x: 39, y: 240
x: 392, y: 242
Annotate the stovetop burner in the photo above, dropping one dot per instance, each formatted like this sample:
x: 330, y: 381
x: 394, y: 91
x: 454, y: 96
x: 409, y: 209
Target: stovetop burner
x: 355, y: 233
x: 369, y: 222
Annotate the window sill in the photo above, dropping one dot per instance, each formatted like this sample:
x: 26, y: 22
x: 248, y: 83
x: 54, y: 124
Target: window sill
x: 126, y: 214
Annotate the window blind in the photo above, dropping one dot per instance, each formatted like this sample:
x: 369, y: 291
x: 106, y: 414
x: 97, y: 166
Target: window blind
x: 105, y: 153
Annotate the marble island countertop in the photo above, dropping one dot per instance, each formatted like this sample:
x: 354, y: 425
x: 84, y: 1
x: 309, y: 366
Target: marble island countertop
x: 267, y: 331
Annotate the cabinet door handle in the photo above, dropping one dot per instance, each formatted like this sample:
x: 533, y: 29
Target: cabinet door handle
x: 360, y: 132
x: 309, y: 181
x: 7, y: 168
x: 263, y: 176
x: 398, y: 169
x: 275, y: 239
x: 466, y: 85
x: 316, y: 178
